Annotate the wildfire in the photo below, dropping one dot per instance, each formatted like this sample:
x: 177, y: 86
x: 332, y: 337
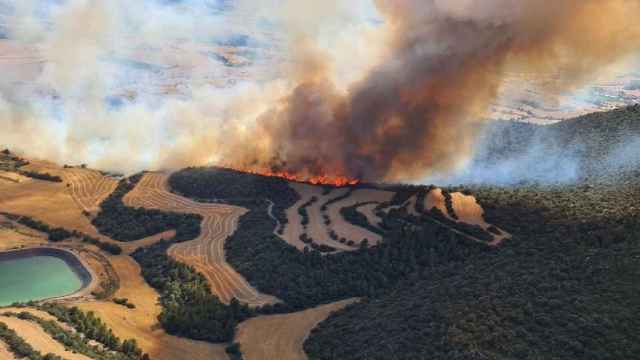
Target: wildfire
x: 315, y: 180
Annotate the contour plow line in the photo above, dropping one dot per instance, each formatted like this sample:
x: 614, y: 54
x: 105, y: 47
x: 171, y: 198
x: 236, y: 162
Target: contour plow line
x: 88, y: 187
x: 206, y: 252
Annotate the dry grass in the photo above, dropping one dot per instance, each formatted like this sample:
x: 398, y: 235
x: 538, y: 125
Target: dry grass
x: 13, y: 177
x: 205, y: 253
x: 353, y: 232
x: 89, y: 187
x: 12, y: 238
x: 293, y: 229
x: 141, y: 323
x: 318, y: 230
x: 282, y: 336
x: 46, y: 201
x: 39, y: 313
x: 35, y: 336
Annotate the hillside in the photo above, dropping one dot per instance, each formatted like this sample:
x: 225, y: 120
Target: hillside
x: 539, y: 269
x: 594, y: 147
x: 562, y: 288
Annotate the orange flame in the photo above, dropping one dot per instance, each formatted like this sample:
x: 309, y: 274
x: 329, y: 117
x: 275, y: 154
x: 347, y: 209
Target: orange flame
x: 315, y: 180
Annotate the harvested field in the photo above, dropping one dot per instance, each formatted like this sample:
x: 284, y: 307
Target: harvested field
x: 318, y: 230
x: 14, y: 236
x: 368, y: 210
x: 141, y: 323
x: 353, y: 232
x: 294, y: 228
x: 89, y: 187
x: 282, y: 336
x: 13, y: 177
x: 46, y: 201
x: 205, y: 253
x: 131, y: 246
x: 35, y: 336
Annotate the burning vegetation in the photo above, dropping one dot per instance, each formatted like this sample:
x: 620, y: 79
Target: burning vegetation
x: 417, y: 112
x: 337, y: 181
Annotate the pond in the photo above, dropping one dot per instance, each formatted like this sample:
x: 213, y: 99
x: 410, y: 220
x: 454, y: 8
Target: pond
x: 39, y: 274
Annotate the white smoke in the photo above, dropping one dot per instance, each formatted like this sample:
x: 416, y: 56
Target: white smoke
x: 125, y: 85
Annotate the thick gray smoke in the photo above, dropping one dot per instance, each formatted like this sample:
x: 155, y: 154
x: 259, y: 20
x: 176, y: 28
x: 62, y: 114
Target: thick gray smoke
x: 384, y: 90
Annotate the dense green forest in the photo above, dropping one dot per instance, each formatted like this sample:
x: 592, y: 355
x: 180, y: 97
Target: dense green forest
x: 565, y: 286
x: 125, y: 223
x: 234, y: 187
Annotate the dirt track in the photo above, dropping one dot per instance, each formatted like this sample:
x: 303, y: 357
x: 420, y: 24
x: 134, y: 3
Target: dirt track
x: 318, y: 230
x: 282, y: 336
x: 205, y: 253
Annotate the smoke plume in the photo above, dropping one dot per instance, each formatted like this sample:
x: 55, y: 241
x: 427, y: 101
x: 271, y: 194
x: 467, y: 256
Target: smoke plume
x: 392, y: 92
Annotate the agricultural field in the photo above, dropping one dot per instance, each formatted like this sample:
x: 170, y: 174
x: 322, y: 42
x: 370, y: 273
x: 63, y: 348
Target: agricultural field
x: 318, y: 218
x: 282, y: 336
x: 213, y: 262
x: 89, y: 187
x: 206, y: 252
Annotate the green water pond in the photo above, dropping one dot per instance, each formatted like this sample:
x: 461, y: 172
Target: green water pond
x: 36, y: 278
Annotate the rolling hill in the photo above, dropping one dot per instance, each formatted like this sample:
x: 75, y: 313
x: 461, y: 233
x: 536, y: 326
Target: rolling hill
x: 563, y: 287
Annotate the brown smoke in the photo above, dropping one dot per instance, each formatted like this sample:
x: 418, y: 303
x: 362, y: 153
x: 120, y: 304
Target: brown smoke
x: 417, y: 111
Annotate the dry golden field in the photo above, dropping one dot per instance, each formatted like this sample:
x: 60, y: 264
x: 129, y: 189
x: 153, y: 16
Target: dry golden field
x: 205, y: 253
x: 70, y: 204
x: 57, y: 205
x: 89, y: 187
x: 282, y: 336
x: 141, y: 323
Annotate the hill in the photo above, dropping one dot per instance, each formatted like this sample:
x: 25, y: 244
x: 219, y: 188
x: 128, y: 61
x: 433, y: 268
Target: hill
x: 561, y: 288
x: 594, y: 147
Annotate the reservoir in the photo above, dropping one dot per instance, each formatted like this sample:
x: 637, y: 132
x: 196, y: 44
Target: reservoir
x: 39, y: 274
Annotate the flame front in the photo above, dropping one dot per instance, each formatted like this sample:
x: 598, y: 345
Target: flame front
x: 315, y: 179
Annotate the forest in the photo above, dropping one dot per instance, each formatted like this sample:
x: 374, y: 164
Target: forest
x: 306, y: 279
x: 562, y: 288
x: 189, y: 308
